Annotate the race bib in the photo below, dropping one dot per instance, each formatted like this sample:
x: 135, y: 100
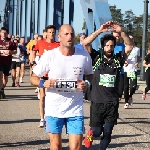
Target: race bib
x: 131, y: 74
x: 66, y: 86
x: 2, y: 53
x: 107, y: 80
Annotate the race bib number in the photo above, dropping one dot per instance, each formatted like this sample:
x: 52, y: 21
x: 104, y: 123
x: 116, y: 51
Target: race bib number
x: 66, y: 86
x: 107, y: 80
x: 131, y: 74
x: 2, y: 53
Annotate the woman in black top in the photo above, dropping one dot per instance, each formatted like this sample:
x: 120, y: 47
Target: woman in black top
x: 146, y: 63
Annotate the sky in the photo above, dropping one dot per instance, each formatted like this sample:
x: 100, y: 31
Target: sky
x: 137, y: 6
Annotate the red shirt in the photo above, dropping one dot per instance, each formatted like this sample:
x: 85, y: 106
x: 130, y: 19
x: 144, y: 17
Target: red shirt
x: 6, y: 45
x: 42, y: 45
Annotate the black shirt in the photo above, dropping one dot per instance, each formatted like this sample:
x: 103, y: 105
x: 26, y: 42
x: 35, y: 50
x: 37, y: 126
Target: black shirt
x: 147, y: 59
x: 106, y: 78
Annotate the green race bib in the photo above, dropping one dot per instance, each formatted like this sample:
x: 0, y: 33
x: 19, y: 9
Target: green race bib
x: 107, y: 80
x: 131, y: 74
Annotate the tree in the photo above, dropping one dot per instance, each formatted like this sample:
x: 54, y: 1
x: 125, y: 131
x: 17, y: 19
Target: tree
x: 77, y: 39
x: 116, y: 14
x: 84, y: 25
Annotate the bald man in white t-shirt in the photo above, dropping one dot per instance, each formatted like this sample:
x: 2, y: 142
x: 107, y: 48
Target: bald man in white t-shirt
x: 66, y: 66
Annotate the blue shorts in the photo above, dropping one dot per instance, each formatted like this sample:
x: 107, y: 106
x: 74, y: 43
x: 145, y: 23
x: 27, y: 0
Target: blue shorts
x: 74, y: 125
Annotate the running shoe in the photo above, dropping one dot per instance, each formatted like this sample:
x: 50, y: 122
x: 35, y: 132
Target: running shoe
x: 36, y: 90
x: 13, y: 84
x: 38, y: 95
x: 143, y: 96
x: 21, y: 81
x: 126, y: 106
x: 131, y: 101
x: 2, y: 95
x: 42, y: 124
x: 88, y: 139
x: 17, y: 84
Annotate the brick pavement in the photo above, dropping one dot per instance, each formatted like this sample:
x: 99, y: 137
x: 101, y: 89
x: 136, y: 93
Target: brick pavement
x: 19, y: 120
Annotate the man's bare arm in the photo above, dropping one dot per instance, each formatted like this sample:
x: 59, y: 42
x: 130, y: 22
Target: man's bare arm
x: 34, y: 80
x: 128, y: 42
x: 87, y: 41
x: 33, y: 55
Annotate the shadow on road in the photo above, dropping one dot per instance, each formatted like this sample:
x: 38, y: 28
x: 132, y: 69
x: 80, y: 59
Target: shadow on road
x: 19, y: 121
x: 28, y: 143
x: 21, y: 88
x: 21, y: 97
x: 124, y: 144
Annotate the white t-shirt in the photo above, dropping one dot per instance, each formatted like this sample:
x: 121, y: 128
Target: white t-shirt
x: 64, y: 104
x: 16, y: 57
x: 132, y: 59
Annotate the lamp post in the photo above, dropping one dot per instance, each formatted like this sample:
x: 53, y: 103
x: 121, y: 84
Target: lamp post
x: 33, y: 17
x: 62, y: 11
x: 144, y: 38
x: 1, y: 19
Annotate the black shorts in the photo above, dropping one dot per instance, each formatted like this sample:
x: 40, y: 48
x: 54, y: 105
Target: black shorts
x: 101, y: 113
x: 44, y: 78
x: 15, y: 64
x: 5, y: 68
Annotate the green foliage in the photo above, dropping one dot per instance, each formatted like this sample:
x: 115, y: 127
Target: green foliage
x: 116, y: 14
x: 131, y: 24
x: 84, y: 25
x: 77, y: 39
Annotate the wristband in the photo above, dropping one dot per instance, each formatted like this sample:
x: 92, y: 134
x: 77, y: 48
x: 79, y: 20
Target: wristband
x: 41, y: 83
x: 88, y: 83
x: 33, y: 63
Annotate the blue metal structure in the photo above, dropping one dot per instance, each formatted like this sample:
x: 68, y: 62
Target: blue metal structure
x: 26, y: 17
x: 96, y: 12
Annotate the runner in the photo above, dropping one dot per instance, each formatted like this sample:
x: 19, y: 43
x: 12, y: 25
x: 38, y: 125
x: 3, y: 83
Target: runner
x: 30, y: 46
x: 24, y: 56
x: 146, y: 64
x: 41, y: 47
x: 104, y: 92
x: 6, y: 50
x: 66, y: 66
x: 130, y: 74
x: 15, y: 66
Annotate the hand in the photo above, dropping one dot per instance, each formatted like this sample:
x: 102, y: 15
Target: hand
x: 106, y: 26
x: 125, y: 63
x: 6, y: 52
x: 116, y: 27
x: 136, y: 64
x: 81, y: 85
x: 148, y: 65
x: 50, y: 83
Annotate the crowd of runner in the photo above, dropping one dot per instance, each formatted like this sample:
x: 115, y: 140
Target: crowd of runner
x: 62, y: 71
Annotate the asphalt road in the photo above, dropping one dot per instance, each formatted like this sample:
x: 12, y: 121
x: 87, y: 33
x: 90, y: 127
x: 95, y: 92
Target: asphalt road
x: 19, y: 120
